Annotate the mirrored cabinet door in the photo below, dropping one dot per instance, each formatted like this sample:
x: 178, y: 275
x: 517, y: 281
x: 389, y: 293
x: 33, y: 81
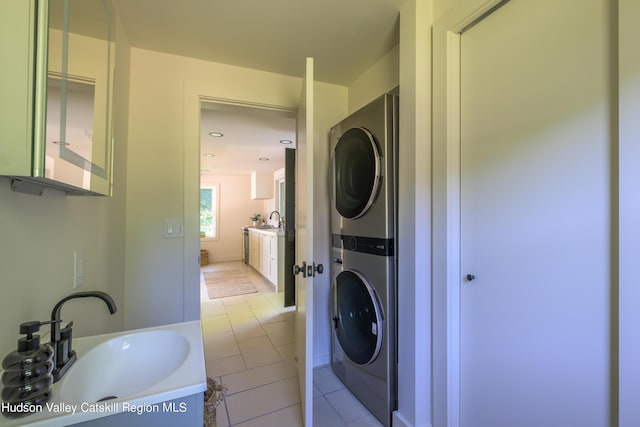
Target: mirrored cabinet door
x: 77, y: 138
x: 58, y: 70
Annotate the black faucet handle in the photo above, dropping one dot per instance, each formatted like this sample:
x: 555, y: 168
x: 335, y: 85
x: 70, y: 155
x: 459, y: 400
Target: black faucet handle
x: 65, y: 333
x: 34, y: 326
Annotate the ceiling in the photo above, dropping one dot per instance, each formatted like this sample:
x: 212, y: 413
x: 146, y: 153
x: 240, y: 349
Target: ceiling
x: 251, y: 139
x: 345, y: 37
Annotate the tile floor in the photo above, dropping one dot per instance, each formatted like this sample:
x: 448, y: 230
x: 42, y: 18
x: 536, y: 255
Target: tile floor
x: 249, y: 345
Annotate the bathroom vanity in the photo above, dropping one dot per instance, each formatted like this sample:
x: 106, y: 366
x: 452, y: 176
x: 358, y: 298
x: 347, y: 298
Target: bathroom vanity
x: 146, y: 377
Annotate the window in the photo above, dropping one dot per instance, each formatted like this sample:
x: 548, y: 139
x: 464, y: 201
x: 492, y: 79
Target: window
x: 209, y: 208
x: 281, y: 198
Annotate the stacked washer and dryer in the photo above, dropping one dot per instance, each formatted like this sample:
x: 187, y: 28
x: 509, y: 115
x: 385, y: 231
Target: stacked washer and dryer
x: 363, y: 269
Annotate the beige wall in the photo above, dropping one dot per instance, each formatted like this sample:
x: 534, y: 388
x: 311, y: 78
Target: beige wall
x: 164, y: 113
x: 381, y: 78
x: 41, y: 234
x: 236, y: 207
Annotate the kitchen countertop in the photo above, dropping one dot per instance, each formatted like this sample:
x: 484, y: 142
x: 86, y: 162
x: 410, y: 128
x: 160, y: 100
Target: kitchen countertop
x: 278, y: 231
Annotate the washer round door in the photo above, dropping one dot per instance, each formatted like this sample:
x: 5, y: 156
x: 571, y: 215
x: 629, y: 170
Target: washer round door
x: 357, y: 318
x: 357, y: 172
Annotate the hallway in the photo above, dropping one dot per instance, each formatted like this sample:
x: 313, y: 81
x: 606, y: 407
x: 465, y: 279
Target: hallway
x: 249, y: 347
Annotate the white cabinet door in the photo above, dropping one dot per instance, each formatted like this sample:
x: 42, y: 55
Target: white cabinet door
x: 273, y: 259
x: 261, y: 185
x: 265, y: 255
x: 254, y: 250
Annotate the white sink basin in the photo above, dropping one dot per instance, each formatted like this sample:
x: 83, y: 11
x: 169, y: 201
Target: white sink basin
x: 124, y: 366
x: 117, y: 371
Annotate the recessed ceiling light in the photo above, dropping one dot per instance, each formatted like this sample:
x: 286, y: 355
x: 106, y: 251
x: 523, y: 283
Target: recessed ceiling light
x: 263, y: 159
x: 286, y: 141
x: 216, y: 134
x: 209, y: 155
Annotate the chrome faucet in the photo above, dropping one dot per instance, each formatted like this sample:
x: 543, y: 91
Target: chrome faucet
x: 279, y: 218
x: 64, y: 356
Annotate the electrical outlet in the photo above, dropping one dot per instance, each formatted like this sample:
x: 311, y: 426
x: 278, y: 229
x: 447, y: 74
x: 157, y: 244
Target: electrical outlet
x: 78, y: 269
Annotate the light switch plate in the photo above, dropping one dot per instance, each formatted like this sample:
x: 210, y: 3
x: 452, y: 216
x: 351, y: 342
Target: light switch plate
x: 173, y: 228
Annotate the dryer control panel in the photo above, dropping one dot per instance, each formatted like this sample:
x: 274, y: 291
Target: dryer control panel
x: 367, y: 245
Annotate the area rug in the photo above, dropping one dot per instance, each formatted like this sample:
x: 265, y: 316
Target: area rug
x: 227, y: 283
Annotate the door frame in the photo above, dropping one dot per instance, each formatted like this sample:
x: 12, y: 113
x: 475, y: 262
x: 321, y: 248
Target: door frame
x: 447, y: 276
x: 304, y: 245
x: 195, y: 93
x: 289, y: 227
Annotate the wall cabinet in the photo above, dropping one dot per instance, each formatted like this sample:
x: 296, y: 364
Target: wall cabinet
x: 57, y: 84
x: 261, y: 185
x: 263, y: 253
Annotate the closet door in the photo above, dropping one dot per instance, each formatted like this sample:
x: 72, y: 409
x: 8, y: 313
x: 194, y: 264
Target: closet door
x: 535, y: 216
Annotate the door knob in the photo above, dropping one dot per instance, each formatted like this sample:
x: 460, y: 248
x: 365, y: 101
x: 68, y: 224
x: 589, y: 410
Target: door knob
x: 469, y: 277
x: 313, y: 269
x: 298, y: 269
x: 307, y: 270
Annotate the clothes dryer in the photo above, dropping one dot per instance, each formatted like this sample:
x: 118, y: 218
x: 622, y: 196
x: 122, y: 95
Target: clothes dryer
x: 364, y: 170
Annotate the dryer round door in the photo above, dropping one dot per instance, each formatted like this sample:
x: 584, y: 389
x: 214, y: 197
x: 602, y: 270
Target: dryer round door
x: 357, y: 318
x: 357, y: 172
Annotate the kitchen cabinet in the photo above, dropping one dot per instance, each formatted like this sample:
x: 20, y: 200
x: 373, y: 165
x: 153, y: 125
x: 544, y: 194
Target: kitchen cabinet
x: 255, y: 259
x: 263, y: 253
x: 57, y: 84
x: 261, y: 185
x: 269, y: 249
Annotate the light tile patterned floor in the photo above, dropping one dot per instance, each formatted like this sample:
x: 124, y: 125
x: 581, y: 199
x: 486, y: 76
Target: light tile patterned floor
x: 249, y: 346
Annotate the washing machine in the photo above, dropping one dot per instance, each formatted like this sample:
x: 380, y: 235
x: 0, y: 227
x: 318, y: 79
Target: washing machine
x: 363, y: 345
x: 363, y: 269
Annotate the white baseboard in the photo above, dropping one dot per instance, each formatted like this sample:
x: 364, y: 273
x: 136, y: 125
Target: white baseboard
x: 321, y: 360
x: 397, y: 420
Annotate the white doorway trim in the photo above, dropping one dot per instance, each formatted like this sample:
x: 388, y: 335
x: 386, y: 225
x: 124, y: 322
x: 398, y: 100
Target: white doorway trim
x: 248, y: 104
x: 195, y: 93
x: 453, y: 228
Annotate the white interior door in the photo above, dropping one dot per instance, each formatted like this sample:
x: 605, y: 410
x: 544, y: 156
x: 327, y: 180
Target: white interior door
x: 304, y: 244
x: 535, y: 216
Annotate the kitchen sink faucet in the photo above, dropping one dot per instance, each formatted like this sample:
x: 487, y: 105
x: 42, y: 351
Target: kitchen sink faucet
x: 279, y: 218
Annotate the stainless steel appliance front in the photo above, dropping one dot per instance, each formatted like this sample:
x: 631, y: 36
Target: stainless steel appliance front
x: 363, y: 271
